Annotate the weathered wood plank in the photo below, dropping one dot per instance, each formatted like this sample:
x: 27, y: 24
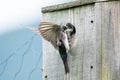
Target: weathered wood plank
x: 98, y: 40
x: 66, y: 5
x: 71, y: 5
x: 109, y: 24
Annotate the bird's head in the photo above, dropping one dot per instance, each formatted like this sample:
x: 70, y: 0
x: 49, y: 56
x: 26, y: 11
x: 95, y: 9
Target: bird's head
x: 71, y: 28
x: 64, y: 28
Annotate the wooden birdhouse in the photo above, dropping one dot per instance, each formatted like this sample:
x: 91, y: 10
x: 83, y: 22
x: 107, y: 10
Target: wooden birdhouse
x: 96, y: 54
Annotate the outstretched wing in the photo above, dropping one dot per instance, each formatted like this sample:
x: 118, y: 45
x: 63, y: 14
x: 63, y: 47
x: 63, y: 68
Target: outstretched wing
x: 49, y: 32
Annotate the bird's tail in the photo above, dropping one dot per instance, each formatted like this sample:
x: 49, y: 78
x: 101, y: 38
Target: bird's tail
x: 36, y: 30
x: 66, y: 67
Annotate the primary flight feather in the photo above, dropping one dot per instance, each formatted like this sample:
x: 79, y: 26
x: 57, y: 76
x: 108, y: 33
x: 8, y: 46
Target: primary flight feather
x: 50, y: 32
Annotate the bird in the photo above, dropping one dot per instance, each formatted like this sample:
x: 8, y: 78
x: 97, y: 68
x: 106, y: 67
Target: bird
x: 71, y: 33
x: 60, y: 36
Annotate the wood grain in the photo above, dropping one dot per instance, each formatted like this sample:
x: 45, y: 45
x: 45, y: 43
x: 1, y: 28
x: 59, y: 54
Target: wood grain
x: 72, y: 4
x: 96, y: 56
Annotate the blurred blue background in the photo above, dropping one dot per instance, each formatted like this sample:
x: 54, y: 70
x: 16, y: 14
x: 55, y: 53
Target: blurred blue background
x: 20, y: 48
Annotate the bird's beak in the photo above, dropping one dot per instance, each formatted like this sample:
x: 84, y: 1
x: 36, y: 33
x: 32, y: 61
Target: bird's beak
x: 68, y: 30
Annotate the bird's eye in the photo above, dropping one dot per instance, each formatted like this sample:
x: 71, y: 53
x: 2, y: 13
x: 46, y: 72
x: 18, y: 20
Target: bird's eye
x: 64, y: 27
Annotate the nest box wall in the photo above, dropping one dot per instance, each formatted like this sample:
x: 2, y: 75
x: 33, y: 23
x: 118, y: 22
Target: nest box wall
x: 96, y: 55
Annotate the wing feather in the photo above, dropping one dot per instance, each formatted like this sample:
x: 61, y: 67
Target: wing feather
x: 49, y: 32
